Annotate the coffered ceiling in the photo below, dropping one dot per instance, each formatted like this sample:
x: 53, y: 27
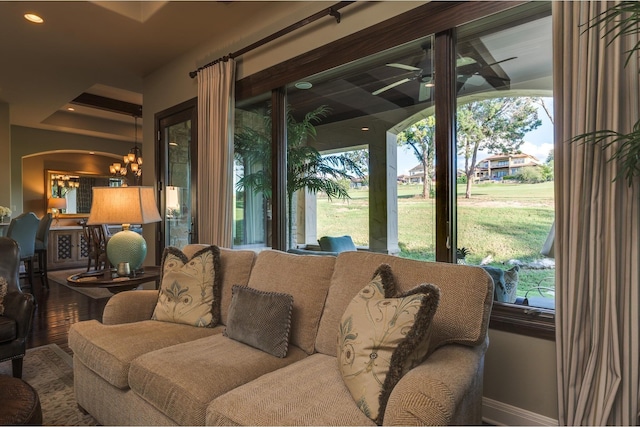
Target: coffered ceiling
x: 105, y: 49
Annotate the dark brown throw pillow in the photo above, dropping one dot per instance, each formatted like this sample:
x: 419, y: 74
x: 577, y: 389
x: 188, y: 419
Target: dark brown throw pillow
x: 260, y: 319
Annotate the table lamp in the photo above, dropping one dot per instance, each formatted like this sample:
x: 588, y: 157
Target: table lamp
x: 56, y: 204
x: 125, y: 206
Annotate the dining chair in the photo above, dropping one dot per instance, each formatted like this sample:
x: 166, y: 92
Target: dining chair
x: 96, y: 240
x: 42, y: 242
x: 23, y: 229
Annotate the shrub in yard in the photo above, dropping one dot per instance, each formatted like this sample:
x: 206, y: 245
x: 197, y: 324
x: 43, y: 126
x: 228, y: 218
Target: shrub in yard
x: 530, y: 175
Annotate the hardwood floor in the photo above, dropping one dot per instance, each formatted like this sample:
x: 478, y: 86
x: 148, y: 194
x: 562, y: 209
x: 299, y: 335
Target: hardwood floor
x: 57, y: 309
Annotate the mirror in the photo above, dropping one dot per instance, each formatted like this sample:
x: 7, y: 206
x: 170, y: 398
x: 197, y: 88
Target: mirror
x: 76, y: 189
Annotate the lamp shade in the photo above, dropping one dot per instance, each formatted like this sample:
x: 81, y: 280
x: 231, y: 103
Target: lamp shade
x: 57, y: 203
x: 124, y: 205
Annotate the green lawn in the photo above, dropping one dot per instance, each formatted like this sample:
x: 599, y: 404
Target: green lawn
x: 506, y: 221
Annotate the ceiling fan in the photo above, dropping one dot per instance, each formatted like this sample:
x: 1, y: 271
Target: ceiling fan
x: 490, y: 77
x: 426, y: 80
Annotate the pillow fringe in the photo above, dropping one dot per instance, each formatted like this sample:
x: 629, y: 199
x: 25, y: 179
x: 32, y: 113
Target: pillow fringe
x: 415, y: 336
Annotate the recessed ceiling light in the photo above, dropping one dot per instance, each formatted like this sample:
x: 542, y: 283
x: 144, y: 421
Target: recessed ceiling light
x: 32, y: 17
x: 303, y: 85
x: 71, y: 109
x: 173, y: 143
x: 365, y: 128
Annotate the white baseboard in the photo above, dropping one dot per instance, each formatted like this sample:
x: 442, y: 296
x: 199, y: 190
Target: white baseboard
x: 501, y: 414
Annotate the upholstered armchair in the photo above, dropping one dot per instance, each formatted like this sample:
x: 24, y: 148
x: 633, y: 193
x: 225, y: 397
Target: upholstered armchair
x: 16, y: 320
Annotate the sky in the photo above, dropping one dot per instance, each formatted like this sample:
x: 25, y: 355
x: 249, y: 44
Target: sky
x: 538, y: 143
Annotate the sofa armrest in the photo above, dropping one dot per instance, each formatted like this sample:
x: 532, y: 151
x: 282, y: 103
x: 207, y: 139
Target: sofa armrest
x: 130, y: 306
x: 20, y: 307
x: 446, y: 389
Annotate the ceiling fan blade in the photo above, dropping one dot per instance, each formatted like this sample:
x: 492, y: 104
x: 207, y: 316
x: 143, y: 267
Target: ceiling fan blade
x: 404, y: 67
x: 465, y: 60
x: 501, y: 61
x: 391, y: 86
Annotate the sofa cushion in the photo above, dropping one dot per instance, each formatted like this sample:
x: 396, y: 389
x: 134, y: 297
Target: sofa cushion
x: 260, y: 319
x: 308, y: 392
x: 109, y: 349
x: 466, y: 296
x: 183, y: 379
x: 190, y: 288
x: 382, y: 335
x: 307, y: 279
x: 235, y: 266
x: 337, y: 244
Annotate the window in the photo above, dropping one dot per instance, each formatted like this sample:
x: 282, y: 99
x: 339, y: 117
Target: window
x: 252, y: 176
x: 505, y: 224
x: 380, y: 96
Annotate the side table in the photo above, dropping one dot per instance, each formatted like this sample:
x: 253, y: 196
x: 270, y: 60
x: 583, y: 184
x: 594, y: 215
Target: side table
x: 103, y: 279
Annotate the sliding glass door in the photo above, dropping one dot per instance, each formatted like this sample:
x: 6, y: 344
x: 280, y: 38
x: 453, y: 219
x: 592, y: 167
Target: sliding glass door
x: 177, y: 133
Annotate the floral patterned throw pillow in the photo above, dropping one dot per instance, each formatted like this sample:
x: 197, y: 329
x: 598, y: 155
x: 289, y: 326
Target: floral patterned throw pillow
x: 190, y: 288
x: 382, y: 335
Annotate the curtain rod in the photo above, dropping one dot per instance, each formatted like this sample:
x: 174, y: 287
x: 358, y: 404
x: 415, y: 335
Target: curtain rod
x: 332, y: 11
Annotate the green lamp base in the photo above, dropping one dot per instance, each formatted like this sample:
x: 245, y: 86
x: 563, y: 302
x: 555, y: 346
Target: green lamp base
x: 127, y: 246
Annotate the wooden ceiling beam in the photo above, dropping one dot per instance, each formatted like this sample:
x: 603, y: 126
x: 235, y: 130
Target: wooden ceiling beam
x: 108, y: 104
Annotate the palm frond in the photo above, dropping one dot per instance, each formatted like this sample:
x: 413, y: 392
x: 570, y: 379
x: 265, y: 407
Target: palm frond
x: 625, y: 16
x: 626, y: 150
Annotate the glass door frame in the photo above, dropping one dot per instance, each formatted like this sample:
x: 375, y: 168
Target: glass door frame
x: 187, y: 110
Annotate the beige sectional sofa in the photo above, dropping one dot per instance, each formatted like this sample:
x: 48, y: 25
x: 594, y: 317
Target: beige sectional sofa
x: 130, y: 370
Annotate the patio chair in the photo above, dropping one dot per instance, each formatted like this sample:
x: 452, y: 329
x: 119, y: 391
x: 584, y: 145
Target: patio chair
x: 337, y: 244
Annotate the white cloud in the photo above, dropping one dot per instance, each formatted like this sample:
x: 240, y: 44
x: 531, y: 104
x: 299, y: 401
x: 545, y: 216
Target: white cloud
x: 541, y: 151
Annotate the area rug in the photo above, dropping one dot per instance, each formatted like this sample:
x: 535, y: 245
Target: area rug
x: 49, y: 370
x: 60, y: 277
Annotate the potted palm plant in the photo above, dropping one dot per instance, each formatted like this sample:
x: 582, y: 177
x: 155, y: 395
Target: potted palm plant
x: 306, y: 167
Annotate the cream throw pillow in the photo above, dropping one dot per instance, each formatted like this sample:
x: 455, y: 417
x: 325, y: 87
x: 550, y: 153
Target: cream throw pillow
x: 190, y: 288
x: 383, y: 335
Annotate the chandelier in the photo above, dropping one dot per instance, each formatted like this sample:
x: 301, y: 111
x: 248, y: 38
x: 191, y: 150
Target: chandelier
x: 65, y: 181
x: 132, y: 160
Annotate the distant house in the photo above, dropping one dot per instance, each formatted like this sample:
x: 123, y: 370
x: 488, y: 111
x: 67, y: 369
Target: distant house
x: 501, y: 165
x: 357, y: 182
x: 416, y: 176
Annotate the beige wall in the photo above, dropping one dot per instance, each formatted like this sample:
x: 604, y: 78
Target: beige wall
x: 27, y: 142
x: 511, y: 357
x: 34, y: 170
x: 5, y: 150
x: 521, y: 371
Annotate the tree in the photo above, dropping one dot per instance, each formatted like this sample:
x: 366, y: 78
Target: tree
x: 420, y: 138
x: 306, y: 167
x: 359, y: 157
x: 496, y: 125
